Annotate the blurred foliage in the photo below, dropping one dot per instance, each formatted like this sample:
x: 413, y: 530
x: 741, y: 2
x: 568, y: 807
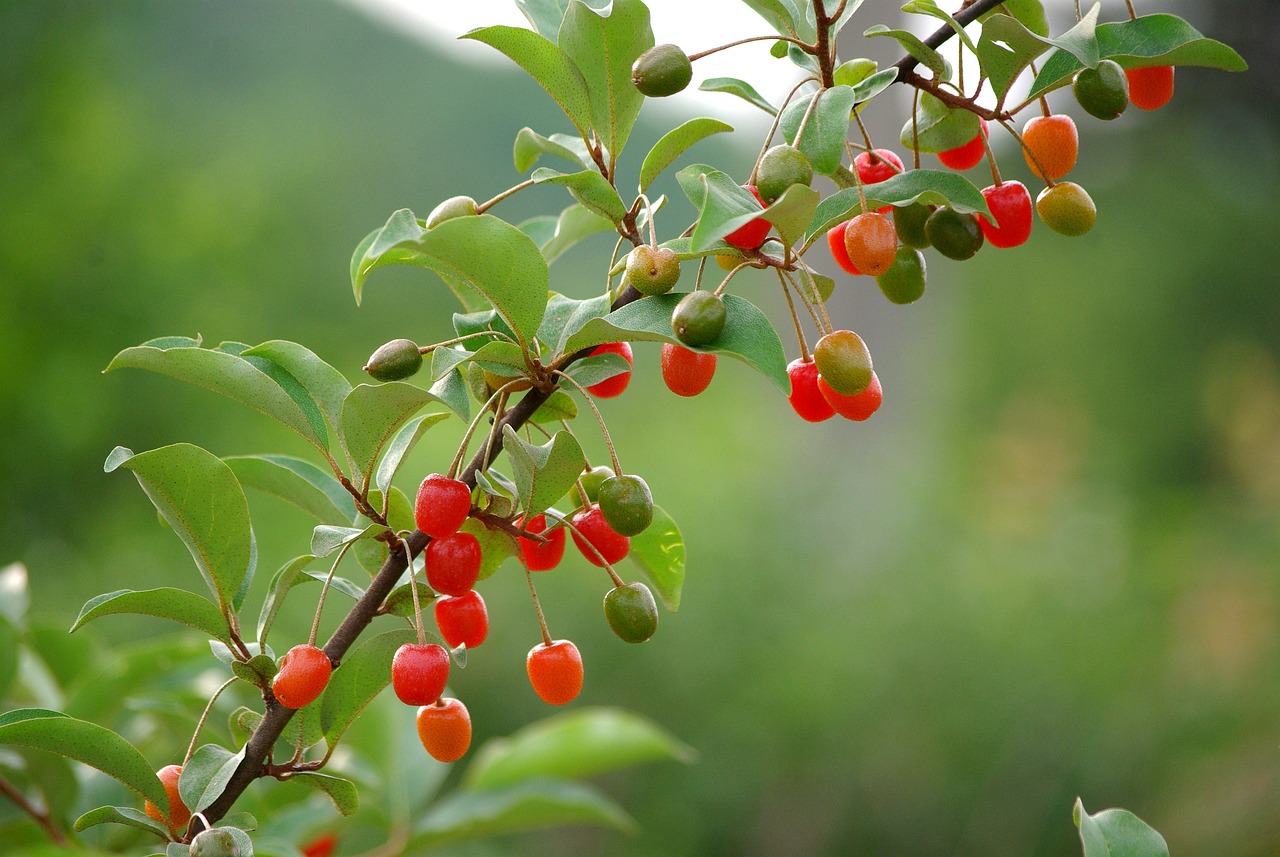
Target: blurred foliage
x: 1047, y: 568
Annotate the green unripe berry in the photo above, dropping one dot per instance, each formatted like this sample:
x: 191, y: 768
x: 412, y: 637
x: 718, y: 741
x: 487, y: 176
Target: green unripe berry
x: 1066, y: 208
x: 903, y: 283
x: 454, y: 206
x: 626, y: 504
x: 1103, y: 91
x: 653, y: 270
x: 780, y: 168
x: 661, y: 71
x: 215, y: 842
x: 954, y: 235
x: 631, y: 612
x: 843, y: 362
x: 909, y: 220
x: 698, y: 318
x: 395, y: 361
x: 590, y: 482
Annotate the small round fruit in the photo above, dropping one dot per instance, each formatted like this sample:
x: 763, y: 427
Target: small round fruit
x: 215, y: 842
x: 590, y: 481
x: 857, y: 407
x: 453, y: 563
x: 303, y: 675
x: 395, y: 361
x: 454, y: 206
x: 555, y: 671
x: 661, y: 71
x: 596, y: 539
x: 698, y: 318
x: 442, y: 505
x: 969, y: 155
x: 751, y: 235
x: 1066, y: 208
x: 835, y: 240
x: 871, y: 243
x: 611, y: 387
x: 322, y: 846
x: 877, y: 165
x: 686, y: 372
x: 1051, y: 142
x: 626, y: 504
x: 843, y: 359
x: 954, y: 235
x: 903, y: 283
x: 463, y: 620
x: 652, y: 270
x: 419, y: 673
x: 1102, y: 91
x: 1150, y: 88
x: 805, y: 397
x: 445, y: 729
x: 908, y: 222
x: 542, y: 556
x: 1010, y: 205
x: 179, y: 815
x: 631, y: 612
x: 780, y: 168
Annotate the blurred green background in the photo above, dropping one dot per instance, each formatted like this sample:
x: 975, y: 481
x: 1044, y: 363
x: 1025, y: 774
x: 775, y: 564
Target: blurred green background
x: 1047, y: 568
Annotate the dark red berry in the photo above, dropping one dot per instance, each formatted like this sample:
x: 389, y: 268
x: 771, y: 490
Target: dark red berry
x: 610, y: 387
x: 419, y: 673
x: 593, y: 531
x: 967, y: 156
x: 542, y: 556
x: 453, y: 563
x: 1010, y: 205
x: 858, y: 406
x: 463, y: 620
x: 805, y: 396
x: 751, y: 235
x: 686, y: 372
x: 442, y: 505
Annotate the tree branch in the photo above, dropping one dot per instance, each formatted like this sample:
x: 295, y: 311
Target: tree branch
x: 970, y: 12
x: 40, y: 817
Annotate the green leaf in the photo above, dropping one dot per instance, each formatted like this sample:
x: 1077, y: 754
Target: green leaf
x: 364, y: 672
x: 589, y: 188
x: 239, y: 820
x: 590, y: 371
x: 675, y: 143
x: 202, y: 501
x: 1117, y: 833
x: 502, y: 358
x: 491, y: 256
x: 125, y: 815
x: 400, y: 600
x: 827, y: 130
x: 871, y: 86
x: 342, y: 792
x: 560, y: 406
x: 544, y: 473
x: 547, y: 64
x: 937, y: 127
x: 282, y: 581
x: 496, y: 546
x: 544, y: 15
x: 1030, y: 13
x: 740, y: 88
x: 325, y: 539
x: 206, y: 774
x: 295, y: 481
x: 1005, y: 48
x: 1139, y: 43
x: 928, y: 7
x: 535, y: 805
x: 181, y: 606
x: 790, y: 213
x: 243, y: 722
x: 915, y: 46
x: 659, y: 552
x: 932, y: 187
x: 372, y: 415
x: 304, y: 729
x: 723, y: 205
x: 258, y: 670
x: 530, y: 146
x: 572, y: 317
x: 747, y: 334
x: 85, y: 742
x: 604, y: 47
x: 1081, y: 41
x: 573, y: 745
x: 323, y: 383
x: 776, y: 14
x: 573, y: 225
x: 451, y: 390
x: 401, y: 445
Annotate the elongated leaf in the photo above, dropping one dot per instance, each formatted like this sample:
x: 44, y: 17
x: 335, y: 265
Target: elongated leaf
x: 547, y: 64
x: 298, y: 482
x: 362, y: 676
x: 530, y: 146
x: 675, y: 143
x: 937, y: 127
x: 342, y: 792
x: 1117, y: 833
x: 573, y: 225
x: 790, y: 213
x: 1030, y: 13
x: 503, y: 358
x: 604, y: 47
x: 85, y: 742
x: 1005, y: 49
x: 401, y: 445
x: 932, y: 187
x: 281, y: 582
x: 929, y: 7
x: 325, y: 384
x: 125, y: 815
x: 747, y: 334
x: 581, y: 312
x: 206, y: 774
x: 372, y: 415
x: 777, y: 14
x: 659, y: 552
x: 202, y: 501
x: 826, y: 131
x: 544, y: 473
x: 740, y: 88
x: 872, y: 86
x: 560, y: 406
x: 451, y: 390
x: 723, y: 205
x: 325, y: 539
x: 400, y: 600
x: 178, y: 605
x: 544, y: 15
x: 1081, y: 41
x: 592, y: 370
x: 915, y: 46
x: 589, y: 188
x: 573, y: 745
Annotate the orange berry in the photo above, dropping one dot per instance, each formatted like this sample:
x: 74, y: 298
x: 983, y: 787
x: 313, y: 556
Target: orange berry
x: 179, y: 815
x: 1150, y: 88
x: 445, y: 729
x: 871, y: 242
x: 555, y: 671
x: 304, y: 674
x: 1054, y: 143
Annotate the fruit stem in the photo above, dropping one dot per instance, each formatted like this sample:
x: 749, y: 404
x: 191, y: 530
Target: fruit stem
x: 613, y: 260
x: 1030, y: 154
x: 795, y: 319
x: 720, y: 288
x: 773, y: 129
x: 604, y: 429
x: 697, y: 284
x: 324, y: 591
x: 813, y: 314
x: 804, y: 120
x: 1132, y: 13
x: 191, y: 748
x: 427, y: 349
x: 1078, y: 11
x: 511, y: 191
x: 875, y: 159
x: 542, y: 620
x: 915, y: 127
x: 817, y: 298
x: 804, y: 46
x: 617, y: 581
x: 653, y: 237
x: 991, y: 160
x: 413, y: 588
x: 466, y: 439
x: 498, y: 411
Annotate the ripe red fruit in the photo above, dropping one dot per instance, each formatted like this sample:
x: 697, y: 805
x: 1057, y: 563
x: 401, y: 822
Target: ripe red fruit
x: 453, y: 563
x: 967, y: 156
x: 322, y: 846
x: 463, y: 620
x: 858, y: 406
x: 419, y: 673
x: 876, y: 166
x: 445, y: 729
x: 752, y: 235
x: 1010, y: 205
x: 686, y: 372
x: 592, y: 530
x: 610, y: 387
x: 835, y: 240
x: 303, y: 675
x: 179, y: 815
x: 555, y: 671
x: 544, y: 556
x: 1150, y: 88
x: 805, y: 396
x: 442, y: 505
x: 871, y: 242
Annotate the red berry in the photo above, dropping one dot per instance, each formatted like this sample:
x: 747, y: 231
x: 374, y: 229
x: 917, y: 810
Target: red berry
x: 1010, y: 205
x: 463, y: 620
x: 835, y: 240
x: 876, y: 166
x: 419, y: 673
x: 967, y: 156
x: 686, y: 372
x: 546, y: 555
x: 1150, y: 88
x: 592, y: 530
x: 871, y: 242
x: 751, y: 235
x: 304, y: 673
x: 322, y: 846
x: 453, y: 563
x: 610, y: 387
x: 858, y: 406
x: 442, y: 506
x: 805, y: 396
x: 445, y: 729
x: 555, y: 671
x: 179, y: 815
